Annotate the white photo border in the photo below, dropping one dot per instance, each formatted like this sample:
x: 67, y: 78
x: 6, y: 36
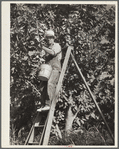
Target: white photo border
x: 5, y: 73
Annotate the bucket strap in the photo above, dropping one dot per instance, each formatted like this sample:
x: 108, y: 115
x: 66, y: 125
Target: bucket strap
x: 58, y: 53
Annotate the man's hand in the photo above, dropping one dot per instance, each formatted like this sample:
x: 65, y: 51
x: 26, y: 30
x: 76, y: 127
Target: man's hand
x: 41, y: 45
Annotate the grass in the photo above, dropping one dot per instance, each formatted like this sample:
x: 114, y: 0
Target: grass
x: 90, y: 137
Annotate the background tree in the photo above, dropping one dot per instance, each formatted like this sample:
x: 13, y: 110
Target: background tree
x: 91, y: 28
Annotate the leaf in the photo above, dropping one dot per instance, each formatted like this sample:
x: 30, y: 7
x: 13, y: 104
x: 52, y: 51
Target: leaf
x: 87, y: 117
x: 82, y: 121
x: 92, y: 115
x: 25, y: 58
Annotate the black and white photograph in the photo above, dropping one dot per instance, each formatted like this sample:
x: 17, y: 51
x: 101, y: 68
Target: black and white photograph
x: 62, y: 74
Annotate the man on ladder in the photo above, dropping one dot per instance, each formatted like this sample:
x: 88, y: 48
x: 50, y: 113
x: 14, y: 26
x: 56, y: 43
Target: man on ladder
x: 53, y: 58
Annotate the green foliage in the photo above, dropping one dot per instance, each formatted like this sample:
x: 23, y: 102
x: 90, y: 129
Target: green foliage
x: 84, y: 137
x: 91, y: 29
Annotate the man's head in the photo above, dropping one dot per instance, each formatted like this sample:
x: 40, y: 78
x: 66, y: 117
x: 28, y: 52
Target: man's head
x: 49, y: 36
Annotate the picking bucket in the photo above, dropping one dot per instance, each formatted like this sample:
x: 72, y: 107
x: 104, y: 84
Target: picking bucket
x: 45, y: 72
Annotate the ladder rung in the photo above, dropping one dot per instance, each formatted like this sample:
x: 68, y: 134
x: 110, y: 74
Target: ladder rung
x: 33, y: 143
x: 47, y: 108
x: 39, y: 126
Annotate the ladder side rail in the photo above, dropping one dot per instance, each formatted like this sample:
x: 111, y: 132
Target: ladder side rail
x: 91, y: 95
x: 26, y: 142
x: 52, y: 109
x: 43, y: 132
x: 32, y: 136
x: 32, y: 129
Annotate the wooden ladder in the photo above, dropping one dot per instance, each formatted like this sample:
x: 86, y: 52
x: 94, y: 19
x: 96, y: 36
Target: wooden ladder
x: 35, y: 136
x: 48, y: 123
x: 46, y: 127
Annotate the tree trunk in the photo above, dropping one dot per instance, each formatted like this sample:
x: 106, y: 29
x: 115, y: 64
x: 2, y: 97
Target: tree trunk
x: 70, y: 117
x: 69, y: 121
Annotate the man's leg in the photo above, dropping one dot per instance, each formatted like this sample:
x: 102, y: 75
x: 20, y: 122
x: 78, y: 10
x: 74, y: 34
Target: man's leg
x: 52, y: 82
x: 43, y: 90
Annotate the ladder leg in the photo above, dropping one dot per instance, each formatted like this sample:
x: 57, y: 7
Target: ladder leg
x: 91, y: 95
x: 52, y: 109
x: 31, y: 134
x: 41, y: 139
x: 26, y: 142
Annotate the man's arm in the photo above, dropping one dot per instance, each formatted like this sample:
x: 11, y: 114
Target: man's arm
x: 49, y: 51
x: 56, y: 49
